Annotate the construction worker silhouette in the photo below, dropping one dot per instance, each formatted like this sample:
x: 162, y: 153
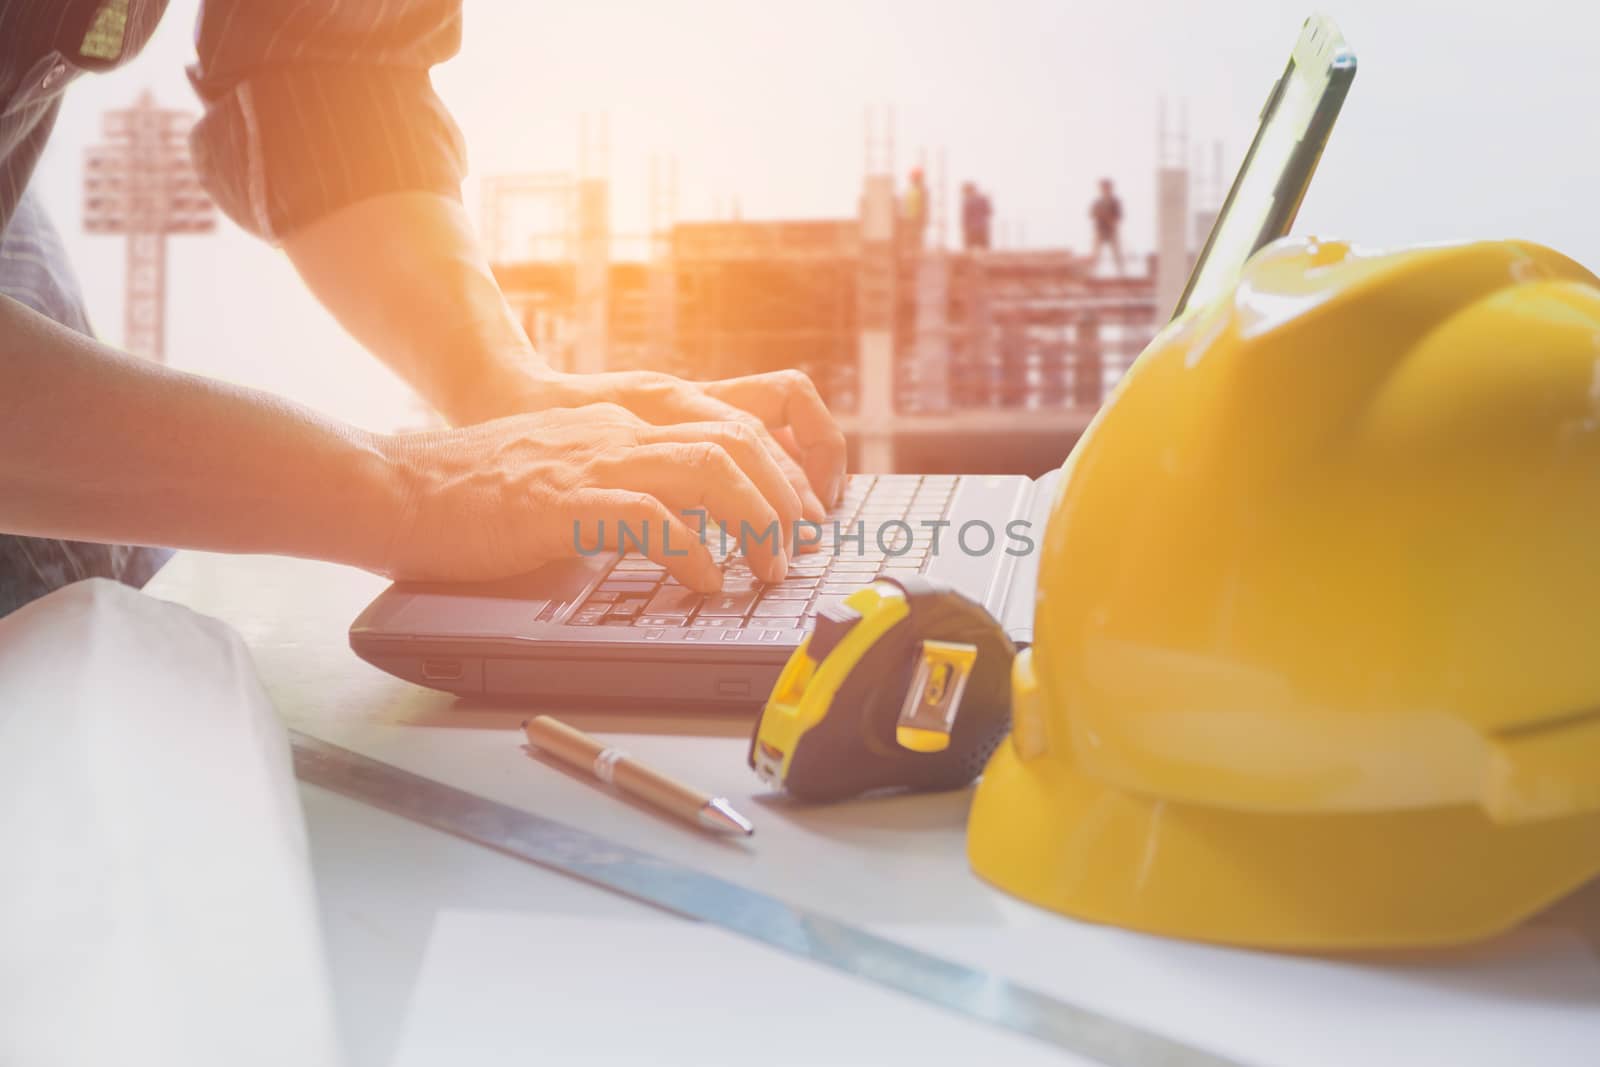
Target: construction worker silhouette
x: 975, y: 212
x: 1106, y: 212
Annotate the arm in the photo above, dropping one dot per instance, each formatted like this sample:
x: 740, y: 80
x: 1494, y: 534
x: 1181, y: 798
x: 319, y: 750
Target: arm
x: 404, y: 274
x: 100, y: 446
x: 323, y: 132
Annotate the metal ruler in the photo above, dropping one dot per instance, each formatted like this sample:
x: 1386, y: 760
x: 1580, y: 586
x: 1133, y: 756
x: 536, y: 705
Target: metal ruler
x: 692, y: 894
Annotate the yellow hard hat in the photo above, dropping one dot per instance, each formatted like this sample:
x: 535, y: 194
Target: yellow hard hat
x: 1317, y: 644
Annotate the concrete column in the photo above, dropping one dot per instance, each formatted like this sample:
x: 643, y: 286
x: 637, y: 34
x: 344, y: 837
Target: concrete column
x: 592, y: 276
x: 1088, y: 365
x: 932, y: 352
x: 875, y: 309
x: 1172, y: 238
x: 663, y: 315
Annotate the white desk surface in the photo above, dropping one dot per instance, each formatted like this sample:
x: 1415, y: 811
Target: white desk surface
x: 895, y: 865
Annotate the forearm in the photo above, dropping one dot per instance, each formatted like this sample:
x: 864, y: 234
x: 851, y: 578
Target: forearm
x: 405, y: 275
x: 99, y: 446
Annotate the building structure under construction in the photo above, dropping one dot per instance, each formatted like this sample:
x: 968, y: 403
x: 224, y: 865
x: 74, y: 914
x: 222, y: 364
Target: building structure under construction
x: 980, y: 360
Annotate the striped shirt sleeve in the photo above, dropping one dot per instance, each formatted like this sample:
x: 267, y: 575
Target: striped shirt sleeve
x: 311, y: 105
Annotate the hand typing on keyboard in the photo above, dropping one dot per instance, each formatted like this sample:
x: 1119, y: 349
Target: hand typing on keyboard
x: 640, y: 592
x: 503, y: 497
x: 781, y: 409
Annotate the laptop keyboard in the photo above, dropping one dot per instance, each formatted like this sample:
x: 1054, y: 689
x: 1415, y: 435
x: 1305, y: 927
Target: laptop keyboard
x: 638, y: 592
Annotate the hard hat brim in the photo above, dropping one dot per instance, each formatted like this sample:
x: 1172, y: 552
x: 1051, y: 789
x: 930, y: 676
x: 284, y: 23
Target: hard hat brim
x: 1044, y: 831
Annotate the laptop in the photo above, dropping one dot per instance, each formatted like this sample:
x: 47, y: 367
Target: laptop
x: 617, y: 630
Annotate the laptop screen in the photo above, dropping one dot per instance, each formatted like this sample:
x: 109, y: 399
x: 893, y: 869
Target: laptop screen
x: 1267, y: 191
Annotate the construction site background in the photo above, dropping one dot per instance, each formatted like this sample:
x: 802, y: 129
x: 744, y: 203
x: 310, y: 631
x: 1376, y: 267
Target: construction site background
x: 981, y: 360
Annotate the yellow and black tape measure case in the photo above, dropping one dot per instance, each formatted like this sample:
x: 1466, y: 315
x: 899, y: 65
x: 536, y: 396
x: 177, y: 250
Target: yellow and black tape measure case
x: 906, y: 684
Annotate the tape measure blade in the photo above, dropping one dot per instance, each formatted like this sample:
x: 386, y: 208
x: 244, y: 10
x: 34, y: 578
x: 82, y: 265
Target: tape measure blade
x: 692, y: 894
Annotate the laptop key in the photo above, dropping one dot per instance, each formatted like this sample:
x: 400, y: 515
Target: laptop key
x: 674, y: 601
x: 839, y: 588
x: 715, y: 623
x: 730, y: 602
x: 785, y: 608
x: 659, y: 620
x: 786, y: 591
x: 627, y: 609
x: 589, y: 616
x: 616, y: 586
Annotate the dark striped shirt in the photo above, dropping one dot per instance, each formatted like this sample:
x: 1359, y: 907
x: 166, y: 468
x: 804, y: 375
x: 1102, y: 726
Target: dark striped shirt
x: 309, y: 104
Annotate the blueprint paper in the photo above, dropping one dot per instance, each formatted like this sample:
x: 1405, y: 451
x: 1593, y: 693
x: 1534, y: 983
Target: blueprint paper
x: 502, y: 989
x: 156, y: 904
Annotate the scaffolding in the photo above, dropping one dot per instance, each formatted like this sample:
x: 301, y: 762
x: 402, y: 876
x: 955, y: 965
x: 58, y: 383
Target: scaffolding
x: 1210, y: 190
x: 1015, y: 329
x: 759, y: 296
x: 529, y: 217
x: 1038, y: 330
x: 1172, y: 207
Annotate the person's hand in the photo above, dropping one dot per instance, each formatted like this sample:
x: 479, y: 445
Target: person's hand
x: 501, y: 498
x: 782, y: 408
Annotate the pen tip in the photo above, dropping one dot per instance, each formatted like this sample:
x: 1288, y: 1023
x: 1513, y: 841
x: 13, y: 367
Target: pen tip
x: 719, y: 815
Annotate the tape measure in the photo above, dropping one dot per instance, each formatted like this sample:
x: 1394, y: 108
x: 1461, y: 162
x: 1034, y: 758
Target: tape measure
x: 905, y: 684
